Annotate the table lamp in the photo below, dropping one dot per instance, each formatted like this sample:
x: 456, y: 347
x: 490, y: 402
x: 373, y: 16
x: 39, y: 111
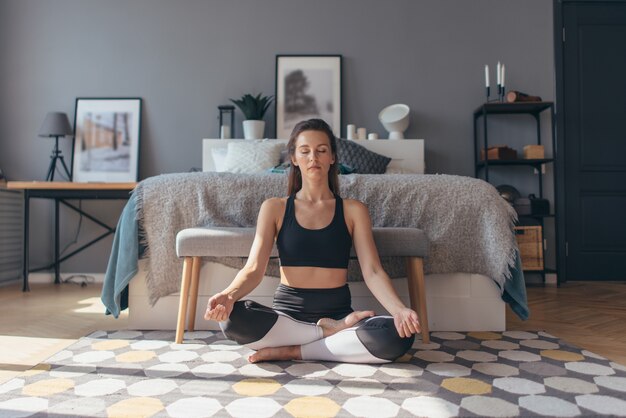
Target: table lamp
x: 395, y: 119
x: 55, y: 125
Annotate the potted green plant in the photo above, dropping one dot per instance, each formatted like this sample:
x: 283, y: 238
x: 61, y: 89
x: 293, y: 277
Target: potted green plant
x: 253, y: 108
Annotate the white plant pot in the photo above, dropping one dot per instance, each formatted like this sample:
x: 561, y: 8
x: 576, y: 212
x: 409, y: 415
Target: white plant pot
x: 253, y: 129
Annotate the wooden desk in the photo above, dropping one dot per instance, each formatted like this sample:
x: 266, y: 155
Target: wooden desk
x: 61, y: 192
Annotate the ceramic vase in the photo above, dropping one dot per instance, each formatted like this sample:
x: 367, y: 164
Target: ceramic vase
x: 253, y: 129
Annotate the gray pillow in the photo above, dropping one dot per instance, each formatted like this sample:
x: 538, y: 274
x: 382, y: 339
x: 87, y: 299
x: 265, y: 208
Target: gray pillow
x: 362, y: 160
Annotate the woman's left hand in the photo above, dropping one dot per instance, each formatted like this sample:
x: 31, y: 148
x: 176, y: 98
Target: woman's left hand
x: 407, y: 322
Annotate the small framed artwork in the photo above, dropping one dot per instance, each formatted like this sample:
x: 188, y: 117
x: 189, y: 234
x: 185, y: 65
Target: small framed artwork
x: 307, y: 86
x: 106, y: 140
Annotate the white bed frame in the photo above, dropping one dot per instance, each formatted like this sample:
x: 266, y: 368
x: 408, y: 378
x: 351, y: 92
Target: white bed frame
x: 456, y: 301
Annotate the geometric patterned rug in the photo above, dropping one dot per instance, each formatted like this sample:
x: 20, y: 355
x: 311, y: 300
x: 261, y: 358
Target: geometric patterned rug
x: 134, y: 373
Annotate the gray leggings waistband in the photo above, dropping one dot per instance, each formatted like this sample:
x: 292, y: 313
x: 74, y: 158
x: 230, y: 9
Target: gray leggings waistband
x: 310, y: 305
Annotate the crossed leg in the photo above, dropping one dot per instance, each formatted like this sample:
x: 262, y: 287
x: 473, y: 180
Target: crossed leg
x: 360, y: 337
x: 294, y: 352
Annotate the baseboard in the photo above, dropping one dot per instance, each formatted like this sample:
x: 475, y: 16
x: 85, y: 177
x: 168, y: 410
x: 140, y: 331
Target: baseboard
x: 10, y: 282
x: 79, y: 277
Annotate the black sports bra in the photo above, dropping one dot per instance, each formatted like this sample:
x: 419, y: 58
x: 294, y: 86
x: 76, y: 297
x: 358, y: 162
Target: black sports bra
x: 326, y: 247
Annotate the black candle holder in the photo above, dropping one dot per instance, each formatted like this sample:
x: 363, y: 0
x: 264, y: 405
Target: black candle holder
x: 500, y: 96
x: 489, y: 99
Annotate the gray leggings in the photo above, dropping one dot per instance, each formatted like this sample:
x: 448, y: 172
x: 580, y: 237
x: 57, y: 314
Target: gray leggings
x: 372, y: 340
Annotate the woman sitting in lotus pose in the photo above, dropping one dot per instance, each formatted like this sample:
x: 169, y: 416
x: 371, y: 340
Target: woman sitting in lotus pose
x: 314, y: 229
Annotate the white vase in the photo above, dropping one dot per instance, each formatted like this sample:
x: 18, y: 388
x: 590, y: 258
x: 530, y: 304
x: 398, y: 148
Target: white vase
x: 253, y: 129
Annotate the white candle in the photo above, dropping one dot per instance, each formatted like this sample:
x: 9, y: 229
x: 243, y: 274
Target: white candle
x: 502, y: 77
x: 486, y: 76
x: 351, y: 132
x: 225, y: 132
x: 498, y: 69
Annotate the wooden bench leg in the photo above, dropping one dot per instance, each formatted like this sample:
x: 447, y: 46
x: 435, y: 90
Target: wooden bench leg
x: 193, y: 295
x: 184, y: 296
x: 417, y: 293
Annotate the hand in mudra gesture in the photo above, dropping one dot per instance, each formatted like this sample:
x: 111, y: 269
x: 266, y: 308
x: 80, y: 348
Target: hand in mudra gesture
x: 407, y: 322
x: 219, y: 307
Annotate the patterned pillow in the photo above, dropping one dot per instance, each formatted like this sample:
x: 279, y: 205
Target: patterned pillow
x: 251, y: 156
x: 362, y: 160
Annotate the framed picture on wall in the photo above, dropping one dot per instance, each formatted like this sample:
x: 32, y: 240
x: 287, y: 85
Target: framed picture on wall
x: 106, y: 140
x: 307, y: 86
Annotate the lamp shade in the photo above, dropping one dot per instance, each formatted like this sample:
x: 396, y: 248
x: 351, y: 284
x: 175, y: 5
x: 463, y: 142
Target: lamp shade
x: 395, y: 119
x: 56, y: 124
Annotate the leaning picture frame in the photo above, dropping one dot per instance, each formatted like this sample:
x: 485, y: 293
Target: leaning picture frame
x: 106, y: 140
x: 307, y: 86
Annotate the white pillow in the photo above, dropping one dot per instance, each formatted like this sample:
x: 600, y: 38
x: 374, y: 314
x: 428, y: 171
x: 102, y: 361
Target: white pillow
x: 397, y: 167
x: 219, y: 158
x: 252, y: 156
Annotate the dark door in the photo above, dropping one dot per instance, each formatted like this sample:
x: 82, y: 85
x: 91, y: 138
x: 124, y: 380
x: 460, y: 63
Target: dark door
x: 594, y: 106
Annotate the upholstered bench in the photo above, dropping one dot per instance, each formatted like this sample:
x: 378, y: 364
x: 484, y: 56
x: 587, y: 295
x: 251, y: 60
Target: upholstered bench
x: 194, y: 243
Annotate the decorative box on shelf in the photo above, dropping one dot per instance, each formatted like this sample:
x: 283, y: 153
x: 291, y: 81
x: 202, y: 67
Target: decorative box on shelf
x: 534, y: 152
x: 529, y: 241
x: 499, y: 152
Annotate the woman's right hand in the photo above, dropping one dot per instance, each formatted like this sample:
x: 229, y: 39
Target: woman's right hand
x: 219, y: 307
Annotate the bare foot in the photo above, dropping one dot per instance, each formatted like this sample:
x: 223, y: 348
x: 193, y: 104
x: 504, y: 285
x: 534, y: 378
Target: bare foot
x: 290, y: 352
x: 332, y: 326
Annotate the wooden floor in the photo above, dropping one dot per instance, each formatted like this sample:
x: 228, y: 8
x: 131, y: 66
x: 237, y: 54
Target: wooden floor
x: 34, y: 325
x: 37, y: 324
x: 591, y: 315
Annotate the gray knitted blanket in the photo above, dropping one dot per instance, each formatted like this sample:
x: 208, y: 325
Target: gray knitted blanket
x: 470, y: 227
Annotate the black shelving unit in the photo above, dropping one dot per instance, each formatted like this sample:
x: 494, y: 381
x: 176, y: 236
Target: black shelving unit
x: 482, y: 167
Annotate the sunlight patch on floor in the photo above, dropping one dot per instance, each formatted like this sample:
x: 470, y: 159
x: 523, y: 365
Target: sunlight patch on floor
x: 18, y: 354
x: 92, y: 305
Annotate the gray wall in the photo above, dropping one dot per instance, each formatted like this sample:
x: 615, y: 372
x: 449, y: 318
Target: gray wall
x: 184, y: 58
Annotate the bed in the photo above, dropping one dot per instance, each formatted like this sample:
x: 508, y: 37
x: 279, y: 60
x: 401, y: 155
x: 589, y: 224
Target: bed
x: 465, y: 295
